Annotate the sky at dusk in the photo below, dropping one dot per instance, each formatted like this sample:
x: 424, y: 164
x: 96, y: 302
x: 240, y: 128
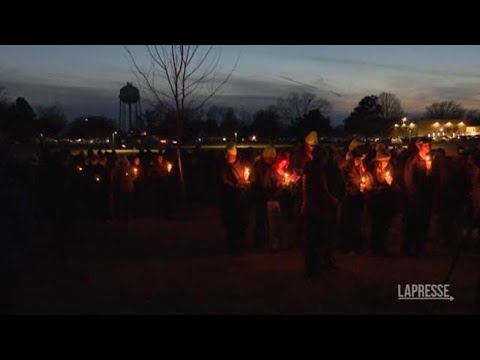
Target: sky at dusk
x: 86, y: 79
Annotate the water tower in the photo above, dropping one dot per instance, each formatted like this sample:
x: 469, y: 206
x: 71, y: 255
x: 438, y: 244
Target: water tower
x: 129, y: 95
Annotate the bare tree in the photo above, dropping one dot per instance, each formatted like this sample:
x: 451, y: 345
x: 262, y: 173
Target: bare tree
x: 297, y: 106
x: 184, y: 77
x: 391, y: 107
x: 445, y: 110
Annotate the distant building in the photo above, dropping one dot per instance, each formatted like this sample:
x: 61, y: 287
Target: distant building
x: 436, y: 128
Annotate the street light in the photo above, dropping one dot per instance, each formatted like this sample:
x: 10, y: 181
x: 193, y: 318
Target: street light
x: 411, y: 127
x: 113, y: 140
x: 235, y: 138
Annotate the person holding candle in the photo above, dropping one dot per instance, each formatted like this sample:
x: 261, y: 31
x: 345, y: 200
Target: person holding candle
x: 382, y: 201
x: 258, y: 193
x: 138, y: 173
x: 300, y: 157
x: 419, y: 194
x: 274, y: 184
x: 358, y: 182
x: 234, y: 201
x: 123, y: 188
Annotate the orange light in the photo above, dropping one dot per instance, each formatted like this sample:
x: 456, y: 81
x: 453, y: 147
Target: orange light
x: 97, y: 178
x: 427, y: 158
x: 169, y: 167
x: 286, y: 178
x: 363, y: 180
x: 135, y: 171
x: 126, y: 174
x: 387, y: 174
x: 246, y: 173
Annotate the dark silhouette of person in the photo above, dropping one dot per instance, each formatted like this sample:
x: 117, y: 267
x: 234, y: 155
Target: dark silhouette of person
x: 234, y: 201
x: 382, y: 201
x: 16, y: 224
x: 319, y: 209
x: 419, y: 194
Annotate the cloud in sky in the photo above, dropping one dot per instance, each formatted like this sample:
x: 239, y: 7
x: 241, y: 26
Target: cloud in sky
x: 88, y: 78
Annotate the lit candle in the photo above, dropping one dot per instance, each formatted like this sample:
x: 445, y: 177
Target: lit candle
x: 169, y: 167
x: 286, y: 178
x: 246, y: 173
x: 388, y: 178
x: 126, y: 174
x: 80, y: 168
x: 97, y: 178
x: 135, y: 171
x: 362, y: 183
x: 428, y: 163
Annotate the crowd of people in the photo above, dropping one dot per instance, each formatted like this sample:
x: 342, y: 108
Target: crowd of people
x: 328, y: 196
x: 346, y: 199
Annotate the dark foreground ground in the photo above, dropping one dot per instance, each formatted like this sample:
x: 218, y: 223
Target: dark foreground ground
x: 154, y: 266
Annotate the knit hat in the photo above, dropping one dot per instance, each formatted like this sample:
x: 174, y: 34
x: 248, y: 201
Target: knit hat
x: 312, y: 138
x: 269, y: 152
x: 382, y: 154
x: 231, y: 149
x: 354, y: 144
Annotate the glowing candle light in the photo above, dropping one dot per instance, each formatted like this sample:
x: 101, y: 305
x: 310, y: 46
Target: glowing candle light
x: 428, y: 163
x: 80, y: 168
x: 97, y: 178
x: 135, y: 171
x: 363, y: 181
x: 286, y: 178
x: 246, y: 173
x: 169, y: 167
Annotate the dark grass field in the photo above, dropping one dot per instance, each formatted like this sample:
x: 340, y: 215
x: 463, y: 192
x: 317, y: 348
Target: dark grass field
x: 155, y: 266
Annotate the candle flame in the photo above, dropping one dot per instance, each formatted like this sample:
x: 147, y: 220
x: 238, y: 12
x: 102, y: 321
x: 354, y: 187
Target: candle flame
x: 363, y: 180
x: 97, y: 178
x: 80, y: 168
x: 126, y: 174
x: 246, y: 173
x: 135, y: 170
x: 169, y: 167
x: 387, y: 174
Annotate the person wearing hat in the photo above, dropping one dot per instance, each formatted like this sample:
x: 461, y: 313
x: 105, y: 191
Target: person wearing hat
x: 358, y: 182
x: 274, y: 186
x: 300, y: 157
x: 234, y: 203
x: 319, y: 208
x: 419, y: 196
x: 260, y: 168
x: 382, y: 204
